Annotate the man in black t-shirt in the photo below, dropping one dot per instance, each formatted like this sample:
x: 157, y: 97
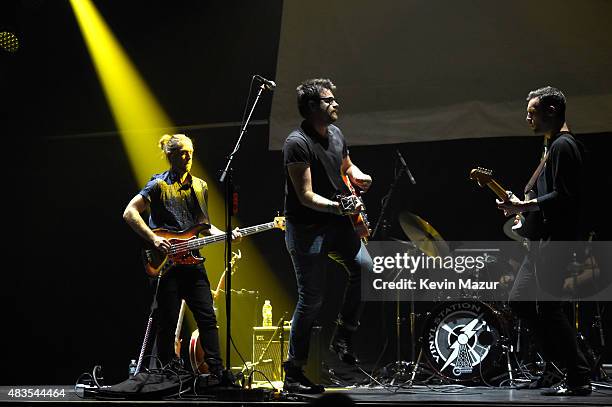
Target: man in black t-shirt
x: 553, y: 200
x: 315, y: 158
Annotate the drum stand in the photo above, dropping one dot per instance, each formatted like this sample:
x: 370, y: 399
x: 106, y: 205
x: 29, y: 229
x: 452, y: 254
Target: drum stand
x: 597, y: 323
x: 405, y: 372
x: 508, y: 347
x: 401, y: 367
x: 575, y: 267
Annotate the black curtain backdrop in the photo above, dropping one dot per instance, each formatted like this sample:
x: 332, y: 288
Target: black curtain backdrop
x: 74, y: 291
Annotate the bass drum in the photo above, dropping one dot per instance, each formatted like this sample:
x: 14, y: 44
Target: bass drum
x: 196, y: 354
x: 462, y: 341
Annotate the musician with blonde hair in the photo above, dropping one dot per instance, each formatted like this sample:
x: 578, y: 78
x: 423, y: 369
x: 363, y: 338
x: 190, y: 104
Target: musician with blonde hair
x: 178, y: 201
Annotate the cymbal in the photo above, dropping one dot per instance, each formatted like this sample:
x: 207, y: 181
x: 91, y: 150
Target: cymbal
x: 423, y: 235
x: 411, y: 247
x: 511, y: 233
x: 401, y: 241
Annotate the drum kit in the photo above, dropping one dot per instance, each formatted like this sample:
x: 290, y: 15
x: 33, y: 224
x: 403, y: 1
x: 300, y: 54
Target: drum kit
x: 467, y: 340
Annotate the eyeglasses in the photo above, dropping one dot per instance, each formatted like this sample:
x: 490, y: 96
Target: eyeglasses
x: 329, y: 100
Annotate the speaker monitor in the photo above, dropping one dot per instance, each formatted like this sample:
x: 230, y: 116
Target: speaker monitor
x: 269, y: 361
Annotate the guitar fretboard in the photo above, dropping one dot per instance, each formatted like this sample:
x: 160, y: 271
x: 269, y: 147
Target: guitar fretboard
x: 196, y: 244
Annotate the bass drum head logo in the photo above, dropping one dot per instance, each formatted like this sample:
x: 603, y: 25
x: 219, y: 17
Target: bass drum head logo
x: 462, y: 341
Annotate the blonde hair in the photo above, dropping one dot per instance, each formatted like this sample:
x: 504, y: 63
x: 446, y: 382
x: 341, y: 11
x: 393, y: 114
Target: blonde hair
x: 172, y: 142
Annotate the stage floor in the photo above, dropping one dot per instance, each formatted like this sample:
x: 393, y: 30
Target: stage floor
x: 365, y: 396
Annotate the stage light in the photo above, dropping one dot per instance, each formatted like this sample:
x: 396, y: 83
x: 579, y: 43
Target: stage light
x: 9, y: 41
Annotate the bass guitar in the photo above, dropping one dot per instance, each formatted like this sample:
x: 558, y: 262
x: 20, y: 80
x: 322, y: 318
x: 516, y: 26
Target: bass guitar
x: 348, y: 203
x: 185, y: 245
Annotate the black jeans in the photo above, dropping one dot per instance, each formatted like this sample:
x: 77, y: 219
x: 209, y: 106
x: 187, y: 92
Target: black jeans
x: 309, y: 247
x: 553, y: 331
x: 192, y: 285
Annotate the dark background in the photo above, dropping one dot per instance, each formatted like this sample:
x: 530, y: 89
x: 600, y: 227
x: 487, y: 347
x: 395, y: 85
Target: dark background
x: 74, y: 292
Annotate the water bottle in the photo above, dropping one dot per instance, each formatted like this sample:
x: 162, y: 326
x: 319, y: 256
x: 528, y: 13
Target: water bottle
x: 132, y: 368
x: 266, y: 312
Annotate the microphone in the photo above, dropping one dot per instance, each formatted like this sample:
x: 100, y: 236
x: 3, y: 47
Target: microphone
x: 405, y: 166
x: 270, y: 85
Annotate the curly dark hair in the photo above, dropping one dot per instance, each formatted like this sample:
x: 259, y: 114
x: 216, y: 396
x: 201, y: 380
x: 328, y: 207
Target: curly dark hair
x: 311, y: 90
x: 550, y: 96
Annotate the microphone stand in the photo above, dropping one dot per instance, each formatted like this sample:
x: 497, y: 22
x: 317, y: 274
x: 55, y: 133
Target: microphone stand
x: 400, y: 366
x: 226, y: 177
x: 387, y: 198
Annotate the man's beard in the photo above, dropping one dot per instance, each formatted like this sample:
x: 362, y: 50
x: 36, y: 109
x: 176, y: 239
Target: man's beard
x: 331, y: 117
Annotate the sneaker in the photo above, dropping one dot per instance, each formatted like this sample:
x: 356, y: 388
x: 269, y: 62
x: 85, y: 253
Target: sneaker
x: 562, y: 389
x: 297, y: 382
x: 342, y: 345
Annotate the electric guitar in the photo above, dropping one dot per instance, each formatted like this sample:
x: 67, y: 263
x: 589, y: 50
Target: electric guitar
x: 348, y: 203
x: 185, y: 245
x: 529, y: 225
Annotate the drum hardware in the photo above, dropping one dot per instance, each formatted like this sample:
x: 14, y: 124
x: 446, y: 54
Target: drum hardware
x: 401, y: 368
x: 405, y: 371
x: 424, y: 239
x: 518, y: 336
x: 598, y: 324
x: 590, y: 268
x: 592, y: 357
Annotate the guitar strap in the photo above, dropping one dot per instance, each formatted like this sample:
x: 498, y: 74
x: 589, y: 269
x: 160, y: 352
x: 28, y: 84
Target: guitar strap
x: 200, y: 189
x: 536, y: 174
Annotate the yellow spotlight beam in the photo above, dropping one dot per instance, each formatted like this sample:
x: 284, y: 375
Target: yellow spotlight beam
x: 134, y: 108
x: 141, y: 121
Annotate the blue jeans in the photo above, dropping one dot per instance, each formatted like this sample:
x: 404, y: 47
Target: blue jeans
x: 309, y: 247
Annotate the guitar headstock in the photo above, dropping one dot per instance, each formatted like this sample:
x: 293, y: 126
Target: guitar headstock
x: 481, y: 175
x: 235, y: 256
x: 279, y: 222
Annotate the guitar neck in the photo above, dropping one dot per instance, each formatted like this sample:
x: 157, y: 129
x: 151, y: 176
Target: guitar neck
x: 177, y: 331
x: 251, y: 230
x: 498, y: 190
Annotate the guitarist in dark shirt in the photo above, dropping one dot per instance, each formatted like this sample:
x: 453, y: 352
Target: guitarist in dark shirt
x: 178, y: 201
x: 552, y: 203
x: 315, y: 159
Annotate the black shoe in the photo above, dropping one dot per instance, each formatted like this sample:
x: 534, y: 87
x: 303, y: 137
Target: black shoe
x: 297, y: 382
x: 562, y: 389
x: 216, y: 370
x: 177, y: 367
x: 342, y: 345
